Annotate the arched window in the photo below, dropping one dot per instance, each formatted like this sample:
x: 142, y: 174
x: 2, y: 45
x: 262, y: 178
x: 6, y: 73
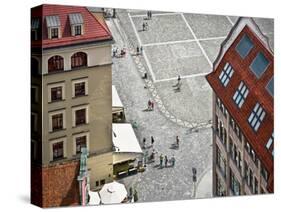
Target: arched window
x: 78, y: 59
x: 55, y: 63
x: 34, y: 66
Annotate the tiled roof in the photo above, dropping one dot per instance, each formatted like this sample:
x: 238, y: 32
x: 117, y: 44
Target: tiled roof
x: 257, y: 93
x: 93, y: 29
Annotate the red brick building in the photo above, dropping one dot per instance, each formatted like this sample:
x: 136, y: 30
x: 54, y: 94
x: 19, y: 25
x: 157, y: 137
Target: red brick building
x: 243, y: 113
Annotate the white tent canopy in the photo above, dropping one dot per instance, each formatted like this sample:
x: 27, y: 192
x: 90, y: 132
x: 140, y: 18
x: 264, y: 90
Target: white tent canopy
x: 124, y: 139
x: 94, y: 198
x: 112, y: 193
x: 116, y: 102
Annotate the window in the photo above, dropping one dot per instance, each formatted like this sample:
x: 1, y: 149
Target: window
x: 54, y: 33
x: 58, y: 150
x: 97, y: 183
x: 78, y: 59
x: 264, y: 173
x: 221, y: 162
x: 56, y: 93
x: 240, y: 94
x: 270, y: 87
x: 55, y: 63
x: 81, y: 142
x: 256, y: 187
x: 34, y: 94
x: 102, y: 182
x: 80, y: 116
x: 256, y: 117
x: 34, y: 121
x: 244, y: 46
x: 35, y: 23
x: 251, y: 179
x: 226, y: 74
x: 34, y: 66
x: 53, y: 25
x: 57, y: 122
x: 77, y: 30
x: 76, y: 23
x: 234, y: 184
x: 80, y: 87
x: 270, y: 141
x: 259, y: 64
x: 220, y: 190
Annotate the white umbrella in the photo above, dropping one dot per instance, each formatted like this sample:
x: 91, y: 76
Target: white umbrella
x: 112, y: 193
x: 94, y: 198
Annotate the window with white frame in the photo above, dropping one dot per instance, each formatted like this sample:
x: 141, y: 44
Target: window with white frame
x: 53, y: 25
x: 76, y: 23
x: 58, y: 149
x: 80, y: 87
x: 226, y: 74
x: 80, y: 115
x: 56, y: 92
x: 79, y: 141
x: 56, y: 120
x: 240, y: 94
x: 269, y: 144
x: 256, y: 117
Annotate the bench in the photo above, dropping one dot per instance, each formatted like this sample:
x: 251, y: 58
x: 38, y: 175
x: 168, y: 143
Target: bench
x: 122, y: 174
x: 133, y: 171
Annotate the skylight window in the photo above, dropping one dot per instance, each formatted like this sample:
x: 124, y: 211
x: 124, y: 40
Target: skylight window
x: 259, y: 64
x: 244, y: 46
x: 270, y: 141
x: 226, y: 74
x: 256, y: 117
x: 270, y: 87
x: 241, y: 94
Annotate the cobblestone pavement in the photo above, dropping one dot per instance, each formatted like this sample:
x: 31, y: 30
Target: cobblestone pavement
x: 174, y: 44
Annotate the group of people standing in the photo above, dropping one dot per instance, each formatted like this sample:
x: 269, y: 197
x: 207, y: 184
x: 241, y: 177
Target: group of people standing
x: 116, y: 52
x: 164, y: 161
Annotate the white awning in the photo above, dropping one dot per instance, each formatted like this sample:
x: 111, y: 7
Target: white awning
x: 116, y: 102
x: 124, y: 139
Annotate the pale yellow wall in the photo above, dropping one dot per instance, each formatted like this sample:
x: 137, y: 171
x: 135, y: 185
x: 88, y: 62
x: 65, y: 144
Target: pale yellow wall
x: 100, y: 168
x: 98, y: 102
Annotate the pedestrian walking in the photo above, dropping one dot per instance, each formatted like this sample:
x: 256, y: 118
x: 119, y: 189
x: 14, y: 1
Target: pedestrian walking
x: 179, y: 78
x: 144, y: 75
x: 143, y: 26
x: 138, y: 50
x: 148, y: 15
x: 161, y: 161
x: 141, y: 49
x: 146, y: 25
x: 152, y: 105
x: 136, y: 198
x: 143, y: 141
x: 149, y: 104
x: 166, y: 161
x: 177, y: 141
x: 152, y: 141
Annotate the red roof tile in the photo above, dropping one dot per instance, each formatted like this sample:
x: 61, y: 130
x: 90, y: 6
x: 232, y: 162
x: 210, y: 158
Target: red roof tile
x: 257, y: 93
x: 93, y: 29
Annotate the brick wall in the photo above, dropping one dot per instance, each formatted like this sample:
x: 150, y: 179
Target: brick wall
x: 58, y: 187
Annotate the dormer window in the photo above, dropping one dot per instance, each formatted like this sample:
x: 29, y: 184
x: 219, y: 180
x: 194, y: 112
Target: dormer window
x: 76, y: 23
x: 53, y: 25
x: 34, y: 28
x: 54, y: 33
